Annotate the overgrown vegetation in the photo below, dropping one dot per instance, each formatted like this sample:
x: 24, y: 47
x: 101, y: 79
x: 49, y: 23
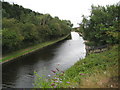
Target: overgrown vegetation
x: 23, y: 27
x: 57, y: 80
x: 95, y: 71
x: 102, y: 26
x: 99, y: 70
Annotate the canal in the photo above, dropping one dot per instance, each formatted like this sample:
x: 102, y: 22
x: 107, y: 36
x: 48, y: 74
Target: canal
x: 19, y: 73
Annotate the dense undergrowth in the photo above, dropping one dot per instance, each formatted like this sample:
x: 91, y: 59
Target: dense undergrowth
x: 95, y: 71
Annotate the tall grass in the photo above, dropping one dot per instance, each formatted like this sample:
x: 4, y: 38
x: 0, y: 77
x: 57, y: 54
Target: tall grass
x: 95, y: 71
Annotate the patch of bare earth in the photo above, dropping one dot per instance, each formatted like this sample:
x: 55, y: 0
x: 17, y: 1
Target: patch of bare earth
x: 102, y: 79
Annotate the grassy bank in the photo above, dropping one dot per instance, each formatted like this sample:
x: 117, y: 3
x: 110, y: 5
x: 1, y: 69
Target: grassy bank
x: 95, y: 71
x: 28, y: 50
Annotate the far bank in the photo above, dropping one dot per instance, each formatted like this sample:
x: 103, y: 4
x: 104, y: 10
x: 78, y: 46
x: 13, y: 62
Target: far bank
x: 22, y: 52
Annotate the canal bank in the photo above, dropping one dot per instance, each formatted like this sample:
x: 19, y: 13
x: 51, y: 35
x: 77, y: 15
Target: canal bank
x: 19, y: 73
x: 97, y: 70
x: 30, y: 50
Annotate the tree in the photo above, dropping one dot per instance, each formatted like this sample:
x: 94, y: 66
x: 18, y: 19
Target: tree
x: 102, y: 26
x: 23, y: 27
x: 11, y: 39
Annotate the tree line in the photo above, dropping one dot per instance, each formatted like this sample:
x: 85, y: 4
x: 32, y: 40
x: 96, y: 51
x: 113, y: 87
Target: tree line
x: 102, y: 26
x: 23, y: 27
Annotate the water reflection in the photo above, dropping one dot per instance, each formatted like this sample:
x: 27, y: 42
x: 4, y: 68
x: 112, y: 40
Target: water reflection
x: 75, y: 36
x: 20, y: 73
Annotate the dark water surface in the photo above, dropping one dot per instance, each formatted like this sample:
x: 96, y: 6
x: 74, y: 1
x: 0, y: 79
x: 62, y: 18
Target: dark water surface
x: 20, y: 72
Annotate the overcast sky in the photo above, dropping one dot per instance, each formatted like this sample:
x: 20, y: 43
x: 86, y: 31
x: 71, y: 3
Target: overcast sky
x: 65, y: 9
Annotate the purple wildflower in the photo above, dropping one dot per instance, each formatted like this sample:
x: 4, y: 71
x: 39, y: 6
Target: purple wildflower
x: 55, y: 86
x: 52, y: 84
x: 82, y: 74
x: 60, y: 81
x: 56, y: 81
x: 68, y: 82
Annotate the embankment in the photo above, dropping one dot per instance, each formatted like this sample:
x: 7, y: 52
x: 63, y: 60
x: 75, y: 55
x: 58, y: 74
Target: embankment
x: 97, y: 70
x: 29, y: 50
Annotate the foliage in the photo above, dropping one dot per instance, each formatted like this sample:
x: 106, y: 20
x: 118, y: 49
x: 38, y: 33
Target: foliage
x: 23, y: 27
x: 57, y: 80
x: 30, y: 49
x: 102, y: 26
x: 94, y: 67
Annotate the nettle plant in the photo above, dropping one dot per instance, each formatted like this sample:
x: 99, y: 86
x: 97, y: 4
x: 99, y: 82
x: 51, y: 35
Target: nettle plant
x: 57, y: 80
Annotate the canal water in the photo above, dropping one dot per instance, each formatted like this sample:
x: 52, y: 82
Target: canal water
x: 19, y: 73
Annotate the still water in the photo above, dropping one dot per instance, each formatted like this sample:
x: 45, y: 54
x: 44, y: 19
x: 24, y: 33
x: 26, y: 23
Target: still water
x: 19, y: 73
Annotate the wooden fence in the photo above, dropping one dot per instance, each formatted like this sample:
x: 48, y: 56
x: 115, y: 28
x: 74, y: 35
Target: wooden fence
x: 96, y: 49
